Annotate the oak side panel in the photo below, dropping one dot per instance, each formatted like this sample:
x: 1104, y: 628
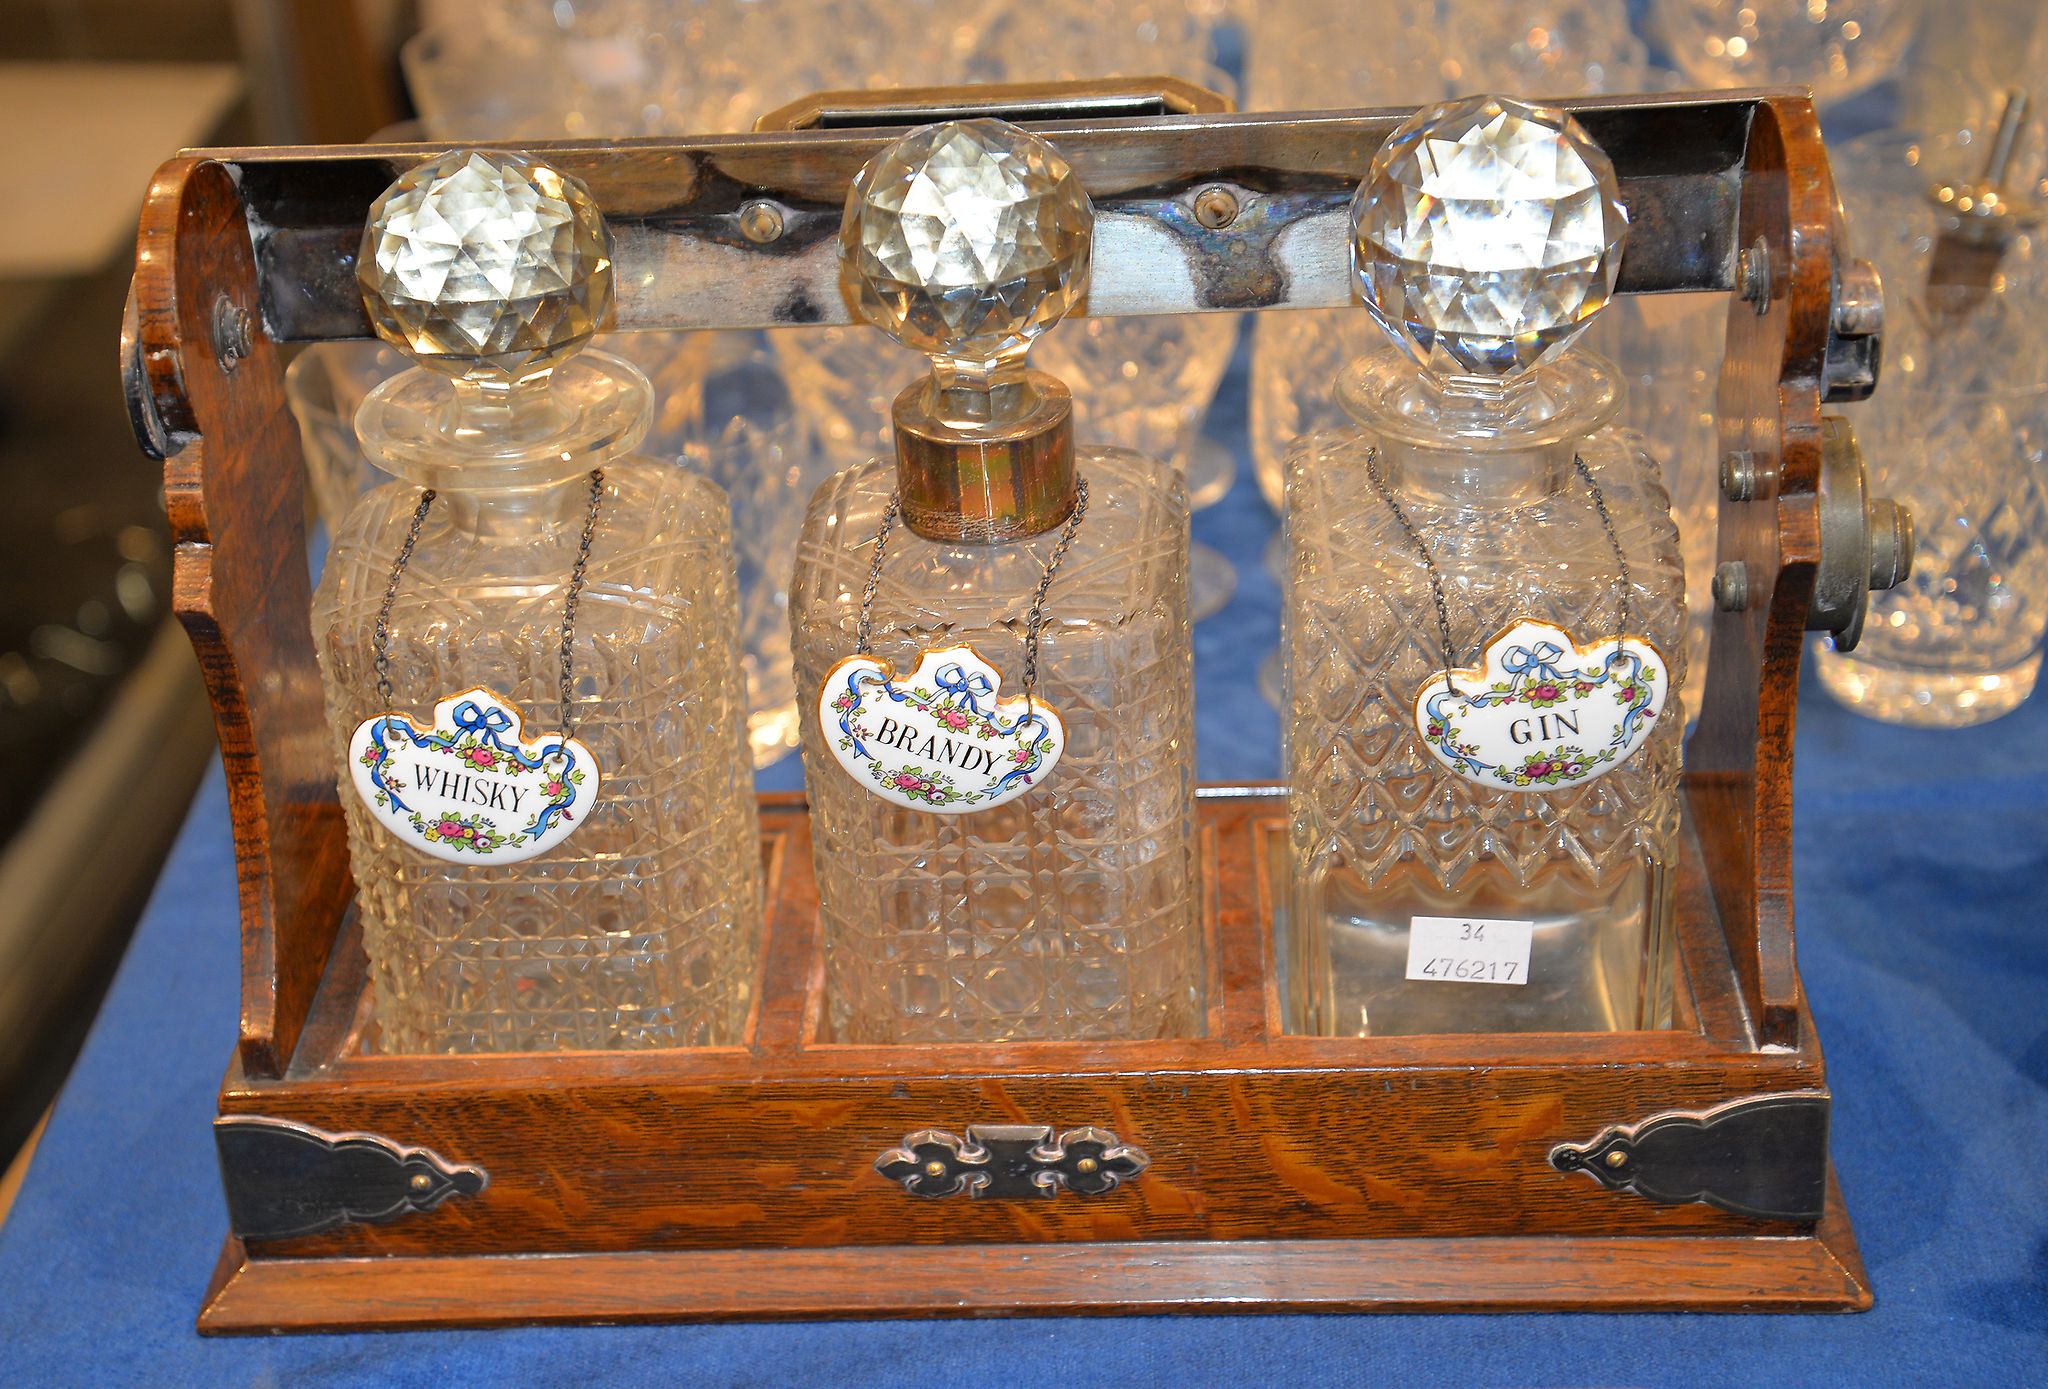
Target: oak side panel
x: 1739, y: 760
x: 236, y: 499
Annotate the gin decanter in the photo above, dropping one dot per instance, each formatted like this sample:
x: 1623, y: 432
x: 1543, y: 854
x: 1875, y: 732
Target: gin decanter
x: 529, y: 651
x: 1485, y: 616
x: 992, y: 646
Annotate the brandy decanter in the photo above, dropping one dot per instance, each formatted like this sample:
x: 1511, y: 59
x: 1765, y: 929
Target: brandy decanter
x: 1485, y: 620
x: 1069, y: 910
x: 531, y: 580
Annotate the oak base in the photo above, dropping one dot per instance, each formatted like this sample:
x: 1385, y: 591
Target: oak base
x: 1817, y: 1272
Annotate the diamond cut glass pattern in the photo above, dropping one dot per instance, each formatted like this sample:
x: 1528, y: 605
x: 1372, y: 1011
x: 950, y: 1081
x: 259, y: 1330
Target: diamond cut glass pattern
x: 641, y: 928
x: 1487, y: 233
x: 1383, y: 832
x: 487, y: 257
x: 967, y: 239
x: 1071, y: 911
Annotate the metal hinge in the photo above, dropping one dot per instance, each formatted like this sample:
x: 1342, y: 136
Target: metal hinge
x: 285, y: 1178
x: 1766, y: 1157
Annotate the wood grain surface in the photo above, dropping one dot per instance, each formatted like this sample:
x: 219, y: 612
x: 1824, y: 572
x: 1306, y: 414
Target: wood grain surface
x: 1816, y: 1272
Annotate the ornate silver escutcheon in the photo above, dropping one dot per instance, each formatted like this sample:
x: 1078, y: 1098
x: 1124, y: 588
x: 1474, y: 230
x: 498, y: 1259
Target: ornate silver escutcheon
x: 1766, y: 1156
x: 285, y: 1178
x: 1008, y: 1162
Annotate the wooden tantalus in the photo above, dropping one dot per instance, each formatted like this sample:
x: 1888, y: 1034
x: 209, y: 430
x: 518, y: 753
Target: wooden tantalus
x: 1253, y: 1170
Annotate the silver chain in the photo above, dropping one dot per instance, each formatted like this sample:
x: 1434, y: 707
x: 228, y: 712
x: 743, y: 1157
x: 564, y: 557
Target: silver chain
x: 1613, y: 543
x: 381, y: 640
x: 864, y: 634
x: 1436, y: 582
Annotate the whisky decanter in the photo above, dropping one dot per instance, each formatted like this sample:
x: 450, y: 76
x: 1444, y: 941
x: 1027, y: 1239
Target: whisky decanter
x: 1485, y: 616
x: 533, y: 582
x: 957, y: 906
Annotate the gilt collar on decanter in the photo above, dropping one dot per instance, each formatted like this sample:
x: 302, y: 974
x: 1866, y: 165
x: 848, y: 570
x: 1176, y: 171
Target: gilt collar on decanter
x: 986, y: 480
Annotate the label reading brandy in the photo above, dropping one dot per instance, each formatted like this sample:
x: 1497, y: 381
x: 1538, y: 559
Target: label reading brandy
x: 1542, y: 713
x: 1469, y: 950
x: 470, y: 788
x: 938, y: 739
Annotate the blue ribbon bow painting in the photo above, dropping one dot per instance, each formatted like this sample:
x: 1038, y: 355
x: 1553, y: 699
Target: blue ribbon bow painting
x: 1542, y: 713
x: 938, y: 739
x: 470, y: 788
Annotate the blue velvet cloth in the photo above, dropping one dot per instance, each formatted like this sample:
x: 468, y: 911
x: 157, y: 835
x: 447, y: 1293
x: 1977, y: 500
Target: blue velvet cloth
x: 1924, y: 950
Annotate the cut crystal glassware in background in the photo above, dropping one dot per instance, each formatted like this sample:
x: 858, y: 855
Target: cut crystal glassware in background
x: 324, y: 386
x: 1836, y: 48
x: 1959, y: 433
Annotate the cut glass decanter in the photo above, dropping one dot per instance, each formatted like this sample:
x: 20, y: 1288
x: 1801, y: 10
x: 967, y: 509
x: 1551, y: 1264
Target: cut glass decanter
x: 641, y: 927
x: 1487, y: 234
x: 1068, y: 912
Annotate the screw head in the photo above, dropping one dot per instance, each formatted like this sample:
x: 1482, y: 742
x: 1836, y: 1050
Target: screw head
x: 1617, y: 1158
x: 1738, y: 475
x: 1216, y: 207
x: 935, y: 1168
x: 1731, y: 586
x: 231, y: 333
x: 421, y: 1181
x: 1891, y: 543
x: 1753, y: 276
x: 1086, y: 1165
x: 761, y: 221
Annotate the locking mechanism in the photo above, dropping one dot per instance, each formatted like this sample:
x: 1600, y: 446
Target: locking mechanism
x: 1866, y: 543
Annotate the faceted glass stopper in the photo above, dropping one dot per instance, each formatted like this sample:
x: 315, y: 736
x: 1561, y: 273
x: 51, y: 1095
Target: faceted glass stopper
x: 1486, y: 235
x: 966, y: 240
x: 485, y: 263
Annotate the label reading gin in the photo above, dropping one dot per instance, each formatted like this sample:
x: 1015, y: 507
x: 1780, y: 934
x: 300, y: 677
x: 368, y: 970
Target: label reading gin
x: 1542, y: 713
x: 468, y: 788
x: 937, y: 739
x: 1469, y: 949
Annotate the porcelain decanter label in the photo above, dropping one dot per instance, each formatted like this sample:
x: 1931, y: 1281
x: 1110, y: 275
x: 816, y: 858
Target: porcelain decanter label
x: 1541, y: 712
x: 471, y: 788
x: 938, y: 739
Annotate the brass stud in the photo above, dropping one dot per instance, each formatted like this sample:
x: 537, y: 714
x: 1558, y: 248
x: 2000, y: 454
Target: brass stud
x: 760, y: 221
x: 1739, y: 476
x: 1753, y: 276
x: 935, y: 1168
x: 1215, y: 207
x: 1616, y: 1158
x: 421, y: 1181
x: 233, y: 336
x: 1731, y: 586
x: 1085, y: 1166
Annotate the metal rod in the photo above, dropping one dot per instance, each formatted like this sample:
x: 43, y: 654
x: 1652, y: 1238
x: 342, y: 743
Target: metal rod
x: 2012, y: 121
x: 740, y: 231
